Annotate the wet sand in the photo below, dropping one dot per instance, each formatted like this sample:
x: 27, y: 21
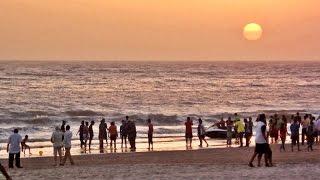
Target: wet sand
x: 219, y: 163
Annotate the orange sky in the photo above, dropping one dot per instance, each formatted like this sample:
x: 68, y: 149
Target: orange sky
x: 158, y: 29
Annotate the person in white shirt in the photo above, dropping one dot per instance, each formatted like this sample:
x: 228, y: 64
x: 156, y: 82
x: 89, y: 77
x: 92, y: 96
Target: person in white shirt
x: 67, y: 144
x: 13, y: 148
x: 56, y: 139
x: 201, y: 133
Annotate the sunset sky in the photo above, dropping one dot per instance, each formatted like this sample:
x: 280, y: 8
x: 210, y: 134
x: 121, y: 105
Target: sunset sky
x: 158, y: 30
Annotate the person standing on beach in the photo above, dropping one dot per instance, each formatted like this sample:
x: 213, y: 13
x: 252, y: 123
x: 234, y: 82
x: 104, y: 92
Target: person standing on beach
x: 123, y: 133
x: 13, y: 148
x: 189, y: 134
x: 229, y: 132
x: 150, y: 134
x: 201, y: 133
x: 132, y: 133
x: 240, y: 130
x: 85, y: 135
x: 310, y: 135
x: 67, y: 144
x: 305, y: 124
x: 57, y: 141
x: 63, y: 126
x: 102, y: 133
x: 262, y: 147
x: 4, y: 172
x: 80, y: 132
x: 283, y: 133
x: 113, y: 133
x: 294, y: 128
x: 248, y: 131
x: 90, y: 134
x: 236, y: 119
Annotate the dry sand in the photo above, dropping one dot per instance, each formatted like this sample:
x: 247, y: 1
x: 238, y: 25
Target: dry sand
x: 222, y: 163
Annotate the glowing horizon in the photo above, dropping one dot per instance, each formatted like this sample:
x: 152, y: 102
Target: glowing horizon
x: 158, y: 30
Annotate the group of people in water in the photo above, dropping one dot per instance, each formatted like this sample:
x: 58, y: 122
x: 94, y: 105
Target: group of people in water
x: 274, y: 129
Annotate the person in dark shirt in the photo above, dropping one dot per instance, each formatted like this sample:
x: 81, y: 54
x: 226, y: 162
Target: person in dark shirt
x: 123, y: 133
x: 91, y: 133
x: 63, y: 126
x: 294, y: 128
x: 310, y: 135
x: 132, y: 133
x: 188, y: 132
x: 80, y: 132
x: 248, y: 130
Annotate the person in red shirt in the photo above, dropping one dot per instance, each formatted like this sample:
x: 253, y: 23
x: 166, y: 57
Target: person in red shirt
x: 189, y: 135
x: 150, y: 134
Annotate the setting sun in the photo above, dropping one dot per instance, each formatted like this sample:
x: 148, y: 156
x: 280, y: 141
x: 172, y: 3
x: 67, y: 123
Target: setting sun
x: 252, y: 31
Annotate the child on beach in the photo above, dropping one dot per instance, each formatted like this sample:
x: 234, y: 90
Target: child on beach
x: 150, y: 134
x: 229, y: 131
x: 113, y: 134
x: 189, y: 135
x: 201, y: 133
x: 24, y: 146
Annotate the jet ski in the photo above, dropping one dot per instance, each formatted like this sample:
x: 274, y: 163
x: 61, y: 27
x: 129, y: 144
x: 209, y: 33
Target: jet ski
x: 215, y: 132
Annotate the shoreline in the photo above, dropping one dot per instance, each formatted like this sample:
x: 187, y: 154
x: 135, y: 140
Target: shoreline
x: 219, y: 163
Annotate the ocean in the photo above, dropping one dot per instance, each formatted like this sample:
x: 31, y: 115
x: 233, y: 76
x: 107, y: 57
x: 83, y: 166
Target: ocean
x: 36, y: 96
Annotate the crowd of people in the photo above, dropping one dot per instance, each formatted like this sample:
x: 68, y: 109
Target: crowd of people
x: 274, y: 129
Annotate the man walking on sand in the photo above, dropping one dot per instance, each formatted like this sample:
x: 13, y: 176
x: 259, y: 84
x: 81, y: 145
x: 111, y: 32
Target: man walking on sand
x: 13, y: 148
x: 56, y: 139
x: 67, y: 144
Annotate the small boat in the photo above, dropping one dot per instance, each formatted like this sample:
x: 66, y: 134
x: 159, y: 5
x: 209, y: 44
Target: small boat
x: 215, y: 132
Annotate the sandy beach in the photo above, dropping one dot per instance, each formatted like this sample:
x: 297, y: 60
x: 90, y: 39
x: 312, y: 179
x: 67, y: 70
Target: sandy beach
x: 220, y: 163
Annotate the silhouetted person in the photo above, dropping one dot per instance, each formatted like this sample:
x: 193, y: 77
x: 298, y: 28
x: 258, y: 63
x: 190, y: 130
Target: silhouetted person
x: 123, y: 133
x: 91, y: 133
x: 80, y: 132
x: 188, y: 132
x: 132, y: 133
x: 103, y: 135
x: 150, y: 134
x: 13, y: 148
x: 63, y: 126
